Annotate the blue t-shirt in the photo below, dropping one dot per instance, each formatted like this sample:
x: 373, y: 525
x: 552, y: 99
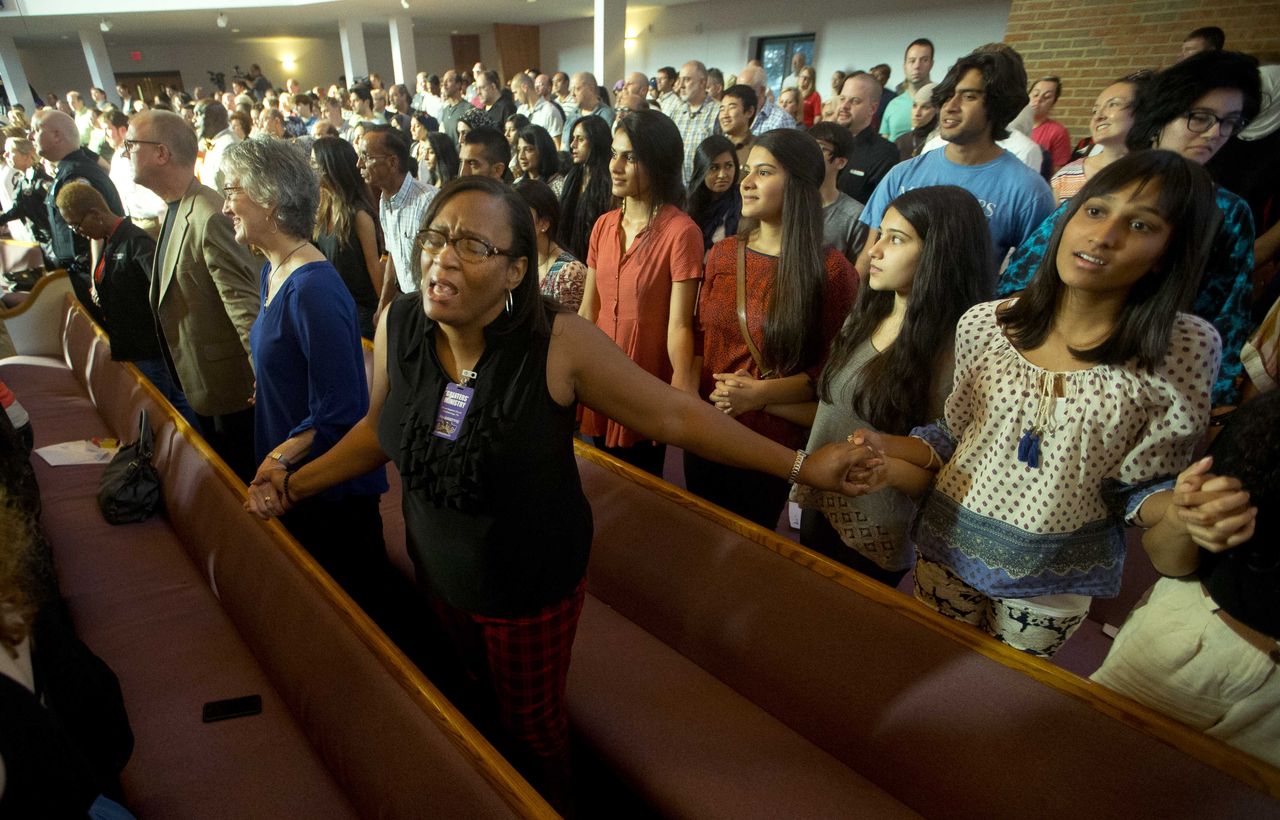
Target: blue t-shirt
x: 310, y: 366
x: 1014, y: 198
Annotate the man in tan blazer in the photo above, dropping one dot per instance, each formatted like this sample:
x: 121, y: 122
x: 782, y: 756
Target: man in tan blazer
x: 204, y: 290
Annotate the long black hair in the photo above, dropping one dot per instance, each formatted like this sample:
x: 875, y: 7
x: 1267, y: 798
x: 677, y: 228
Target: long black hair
x: 342, y: 190
x: 951, y: 275
x: 793, y: 319
x: 708, y: 209
x: 579, y: 209
x: 548, y: 159
x: 447, y: 160
x: 1146, y: 319
x: 527, y: 316
x: 658, y: 148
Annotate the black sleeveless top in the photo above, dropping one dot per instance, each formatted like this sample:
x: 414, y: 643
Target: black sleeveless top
x: 347, y: 256
x: 496, y: 522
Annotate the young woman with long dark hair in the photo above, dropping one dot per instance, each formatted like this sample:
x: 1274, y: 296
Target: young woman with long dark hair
x: 347, y: 230
x: 1071, y: 405
x: 536, y: 158
x: 794, y: 298
x: 644, y: 262
x: 588, y: 191
x: 1192, y: 108
x: 441, y: 160
x: 715, y: 202
x: 560, y: 275
x: 891, y: 367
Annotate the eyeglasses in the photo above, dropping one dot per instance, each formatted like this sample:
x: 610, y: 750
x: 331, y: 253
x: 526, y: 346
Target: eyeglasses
x: 1200, y: 121
x: 230, y: 190
x: 469, y: 248
x: 369, y: 159
x: 128, y: 146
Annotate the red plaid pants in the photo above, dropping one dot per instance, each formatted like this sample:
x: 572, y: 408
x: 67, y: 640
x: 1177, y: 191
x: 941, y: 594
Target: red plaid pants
x: 524, y: 662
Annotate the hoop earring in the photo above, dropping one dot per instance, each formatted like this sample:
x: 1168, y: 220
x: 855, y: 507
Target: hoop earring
x: 509, y: 303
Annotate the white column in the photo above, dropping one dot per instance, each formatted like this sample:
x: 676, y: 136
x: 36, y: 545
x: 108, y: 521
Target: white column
x: 354, y: 62
x: 15, y: 77
x: 610, y: 29
x: 100, y: 73
x: 404, y: 62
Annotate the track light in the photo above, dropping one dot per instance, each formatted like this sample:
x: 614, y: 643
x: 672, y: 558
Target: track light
x: 105, y: 25
x: 222, y: 20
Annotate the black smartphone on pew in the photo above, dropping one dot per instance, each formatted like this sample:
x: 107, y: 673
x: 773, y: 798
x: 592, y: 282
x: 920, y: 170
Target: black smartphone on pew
x: 216, y: 710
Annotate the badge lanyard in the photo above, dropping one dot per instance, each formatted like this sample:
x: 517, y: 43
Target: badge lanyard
x: 454, y: 405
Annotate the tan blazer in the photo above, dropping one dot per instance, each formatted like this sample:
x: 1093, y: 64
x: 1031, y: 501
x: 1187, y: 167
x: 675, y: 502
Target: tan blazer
x: 205, y: 296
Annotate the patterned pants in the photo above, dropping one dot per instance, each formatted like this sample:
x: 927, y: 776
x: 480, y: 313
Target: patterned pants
x: 1038, y: 626
x: 524, y: 664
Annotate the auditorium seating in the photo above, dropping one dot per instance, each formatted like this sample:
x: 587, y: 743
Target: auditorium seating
x: 205, y: 603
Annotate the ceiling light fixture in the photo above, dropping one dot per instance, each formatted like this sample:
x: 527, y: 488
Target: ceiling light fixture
x: 105, y: 25
x: 404, y: 4
x: 222, y: 20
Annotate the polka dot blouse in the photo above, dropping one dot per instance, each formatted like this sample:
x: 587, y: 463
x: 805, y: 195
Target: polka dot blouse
x: 1106, y: 434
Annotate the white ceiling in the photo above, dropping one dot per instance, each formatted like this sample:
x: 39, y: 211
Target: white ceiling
x: 35, y: 22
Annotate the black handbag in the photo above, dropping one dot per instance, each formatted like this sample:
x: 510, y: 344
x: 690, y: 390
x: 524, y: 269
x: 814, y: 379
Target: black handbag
x: 130, y: 488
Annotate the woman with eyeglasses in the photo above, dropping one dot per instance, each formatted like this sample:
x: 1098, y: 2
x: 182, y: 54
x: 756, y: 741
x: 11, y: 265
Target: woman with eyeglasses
x: 1109, y: 127
x: 476, y: 382
x: 1192, y: 108
x: 306, y: 352
x: 347, y: 230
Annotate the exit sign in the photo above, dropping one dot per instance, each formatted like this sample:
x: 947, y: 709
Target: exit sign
x: 136, y: 56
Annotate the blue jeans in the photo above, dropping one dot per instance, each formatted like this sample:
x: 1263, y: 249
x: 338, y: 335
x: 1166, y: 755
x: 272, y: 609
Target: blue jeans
x: 157, y: 372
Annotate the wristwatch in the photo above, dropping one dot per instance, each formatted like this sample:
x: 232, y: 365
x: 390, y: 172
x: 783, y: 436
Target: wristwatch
x: 279, y: 456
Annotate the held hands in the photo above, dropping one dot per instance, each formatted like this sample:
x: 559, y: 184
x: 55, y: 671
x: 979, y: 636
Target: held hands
x: 844, y: 467
x: 736, y: 393
x: 1213, y: 510
x: 267, y: 498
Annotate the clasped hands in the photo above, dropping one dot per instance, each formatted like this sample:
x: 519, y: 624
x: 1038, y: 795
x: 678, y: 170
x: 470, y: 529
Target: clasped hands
x: 736, y: 393
x: 267, y: 498
x: 852, y: 467
x: 1212, y: 510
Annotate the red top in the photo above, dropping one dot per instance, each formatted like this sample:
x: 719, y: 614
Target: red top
x: 722, y: 345
x: 811, y: 109
x: 635, y: 295
x: 1053, y: 138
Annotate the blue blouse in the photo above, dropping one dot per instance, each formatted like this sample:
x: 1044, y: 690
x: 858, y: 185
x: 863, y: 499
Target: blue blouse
x: 307, y: 355
x: 1225, y: 288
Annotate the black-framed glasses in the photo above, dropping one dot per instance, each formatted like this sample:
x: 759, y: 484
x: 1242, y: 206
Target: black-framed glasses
x: 128, y: 146
x: 1199, y: 121
x: 469, y: 248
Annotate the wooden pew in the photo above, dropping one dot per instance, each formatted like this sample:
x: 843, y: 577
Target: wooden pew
x: 206, y: 603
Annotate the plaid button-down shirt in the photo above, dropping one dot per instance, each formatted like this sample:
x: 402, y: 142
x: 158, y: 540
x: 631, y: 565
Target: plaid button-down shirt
x: 401, y: 216
x: 695, y: 125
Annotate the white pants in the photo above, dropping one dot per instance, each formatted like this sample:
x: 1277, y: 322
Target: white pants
x: 1177, y: 656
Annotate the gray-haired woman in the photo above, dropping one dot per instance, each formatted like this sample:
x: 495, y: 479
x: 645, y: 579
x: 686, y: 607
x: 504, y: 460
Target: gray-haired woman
x: 306, y: 352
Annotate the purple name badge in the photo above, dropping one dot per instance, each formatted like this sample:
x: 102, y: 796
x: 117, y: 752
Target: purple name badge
x: 453, y: 411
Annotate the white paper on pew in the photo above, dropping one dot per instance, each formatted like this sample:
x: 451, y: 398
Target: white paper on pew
x: 75, y: 452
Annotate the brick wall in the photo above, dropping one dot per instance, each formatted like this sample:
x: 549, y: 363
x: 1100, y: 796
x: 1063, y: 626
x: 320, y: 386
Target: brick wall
x: 1089, y: 43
